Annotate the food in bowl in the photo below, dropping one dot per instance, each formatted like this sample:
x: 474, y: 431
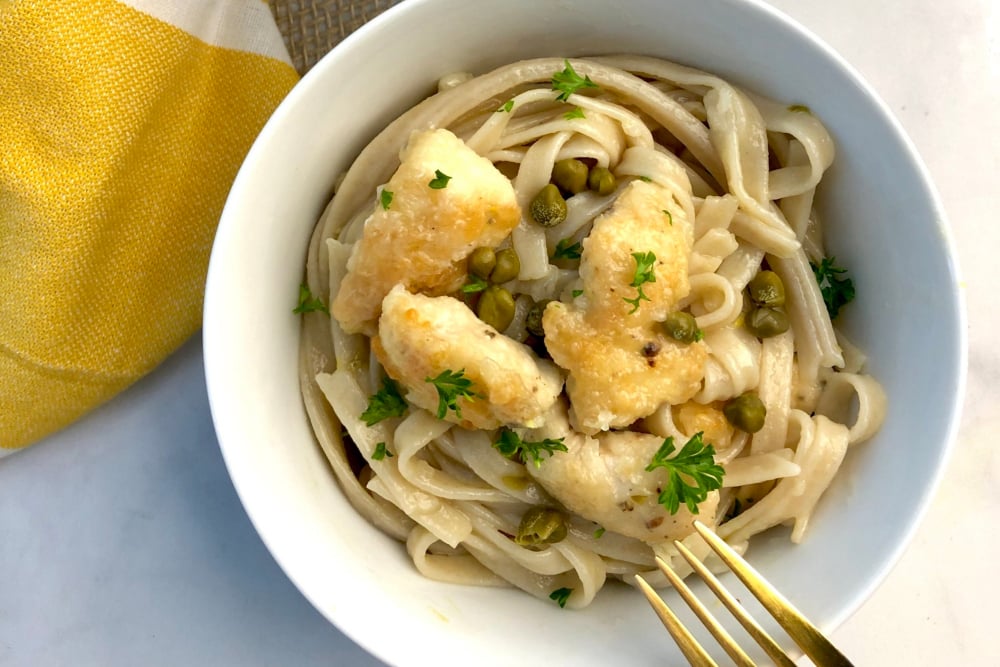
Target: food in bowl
x: 536, y: 286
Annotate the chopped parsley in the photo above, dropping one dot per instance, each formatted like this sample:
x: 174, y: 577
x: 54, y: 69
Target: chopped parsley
x: 475, y: 284
x: 381, y: 452
x: 669, y: 217
x: 511, y: 446
x: 644, y: 273
x: 385, y: 199
x: 696, y: 461
x: 451, y: 386
x: 440, y: 180
x: 799, y: 108
x: 507, y: 106
x: 566, y: 249
x: 568, y: 82
x: 645, y: 179
x: 699, y: 335
x: 561, y: 595
x: 599, y: 533
x: 309, y: 303
x: 577, y: 292
x: 385, y: 403
x: 837, y: 292
x: 575, y: 113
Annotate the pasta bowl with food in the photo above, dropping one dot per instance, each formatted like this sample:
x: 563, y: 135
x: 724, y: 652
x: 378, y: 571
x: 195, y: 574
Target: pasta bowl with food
x: 487, y: 329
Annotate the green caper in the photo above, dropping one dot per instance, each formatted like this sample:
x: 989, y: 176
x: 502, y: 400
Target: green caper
x: 534, y: 321
x: 548, y: 208
x: 481, y: 262
x: 766, y: 289
x: 570, y: 175
x: 508, y: 266
x: 601, y: 181
x: 681, y: 326
x: 766, y: 322
x: 746, y: 412
x: 539, y: 527
x: 496, y: 307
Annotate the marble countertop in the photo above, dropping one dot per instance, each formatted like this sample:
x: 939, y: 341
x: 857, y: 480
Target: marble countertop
x: 122, y: 541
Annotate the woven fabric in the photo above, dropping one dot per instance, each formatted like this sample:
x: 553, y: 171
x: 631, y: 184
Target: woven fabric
x: 122, y: 126
x: 311, y: 28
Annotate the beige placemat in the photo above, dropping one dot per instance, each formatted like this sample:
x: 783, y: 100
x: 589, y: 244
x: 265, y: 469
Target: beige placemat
x: 313, y: 27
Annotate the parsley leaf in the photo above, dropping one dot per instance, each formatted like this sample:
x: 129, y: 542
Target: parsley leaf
x: 451, y: 386
x: 577, y: 292
x: 475, y: 284
x: 669, y: 217
x: 381, y: 452
x: 507, y: 106
x: 568, y: 82
x: 386, y: 402
x: 645, y: 179
x: 566, y: 249
x: 599, y: 533
x: 385, y: 199
x: 440, y: 180
x: 643, y: 274
x: 699, y: 335
x: 836, y: 292
x: 511, y: 446
x: 575, y: 113
x: 799, y: 108
x: 560, y: 595
x: 309, y: 303
x: 696, y: 461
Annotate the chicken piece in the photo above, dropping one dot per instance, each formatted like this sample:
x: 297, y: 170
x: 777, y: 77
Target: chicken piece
x: 617, y: 375
x: 604, y: 479
x: 621, y: 367
x: 644, y: 219
x: 425, y: 235
x: 420, y: 337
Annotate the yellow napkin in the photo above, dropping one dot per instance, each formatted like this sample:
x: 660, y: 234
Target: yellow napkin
x: 122, y: 126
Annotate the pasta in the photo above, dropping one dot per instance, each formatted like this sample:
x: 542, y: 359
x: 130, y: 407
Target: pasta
x: 507, y: 359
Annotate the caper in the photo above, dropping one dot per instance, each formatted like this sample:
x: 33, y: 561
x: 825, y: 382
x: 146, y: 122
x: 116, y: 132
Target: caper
x: 533, y: 323
x: 601, y: 181
x: 766, y: 289
x: 548, y: 208
x: 766, y: 322
x: 681, y: 326
x: 481, y: 262
x: 508, y: 266
x: 539, y: 527
x: 496, y: 307
x: 746, y: 412
x: 570, y: 175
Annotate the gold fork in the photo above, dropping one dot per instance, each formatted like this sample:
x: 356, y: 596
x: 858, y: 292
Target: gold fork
x: 809, y: 639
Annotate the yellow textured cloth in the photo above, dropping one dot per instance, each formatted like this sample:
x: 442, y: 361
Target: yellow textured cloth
x: 122, y: 126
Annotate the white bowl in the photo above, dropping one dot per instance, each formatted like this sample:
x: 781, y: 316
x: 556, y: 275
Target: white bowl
x: 884, y: 222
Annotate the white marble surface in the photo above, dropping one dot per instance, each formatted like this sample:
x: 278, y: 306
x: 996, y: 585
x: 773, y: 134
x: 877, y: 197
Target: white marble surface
x: 122, y: 541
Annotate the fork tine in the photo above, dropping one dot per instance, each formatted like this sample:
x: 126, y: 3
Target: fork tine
x: 763, y: 639
x: 688, y: 645
x: 804, y: 633
x: 705, y: 616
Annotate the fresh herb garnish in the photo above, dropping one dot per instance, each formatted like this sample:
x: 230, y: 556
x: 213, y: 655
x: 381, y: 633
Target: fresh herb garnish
x: 696, y: 461
x: 643, y: 274
x: 566, y: 249
x: 599, y: 533
x: 575, y: 113
x: 381, y: 452
x: 568, y: 82
x: 385, y: 199
x: 836, y: 292
x: 669, y: 217
x: 440, y: 180
x: 451, y: 386
x: 560, y: 595
x: 511, y: 446
x: 386, y: 402
x: 577, y: 292
x: 799, y: 108
x: 645, y: 179
x: 475, y: 284
x: 699, y: 335
x: 309, y: 303
x: 507, y: 106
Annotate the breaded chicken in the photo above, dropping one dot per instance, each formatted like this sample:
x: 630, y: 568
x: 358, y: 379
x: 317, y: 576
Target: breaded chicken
x: 420, y: 337
x: 422, y: 240
x: 621, y: 366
